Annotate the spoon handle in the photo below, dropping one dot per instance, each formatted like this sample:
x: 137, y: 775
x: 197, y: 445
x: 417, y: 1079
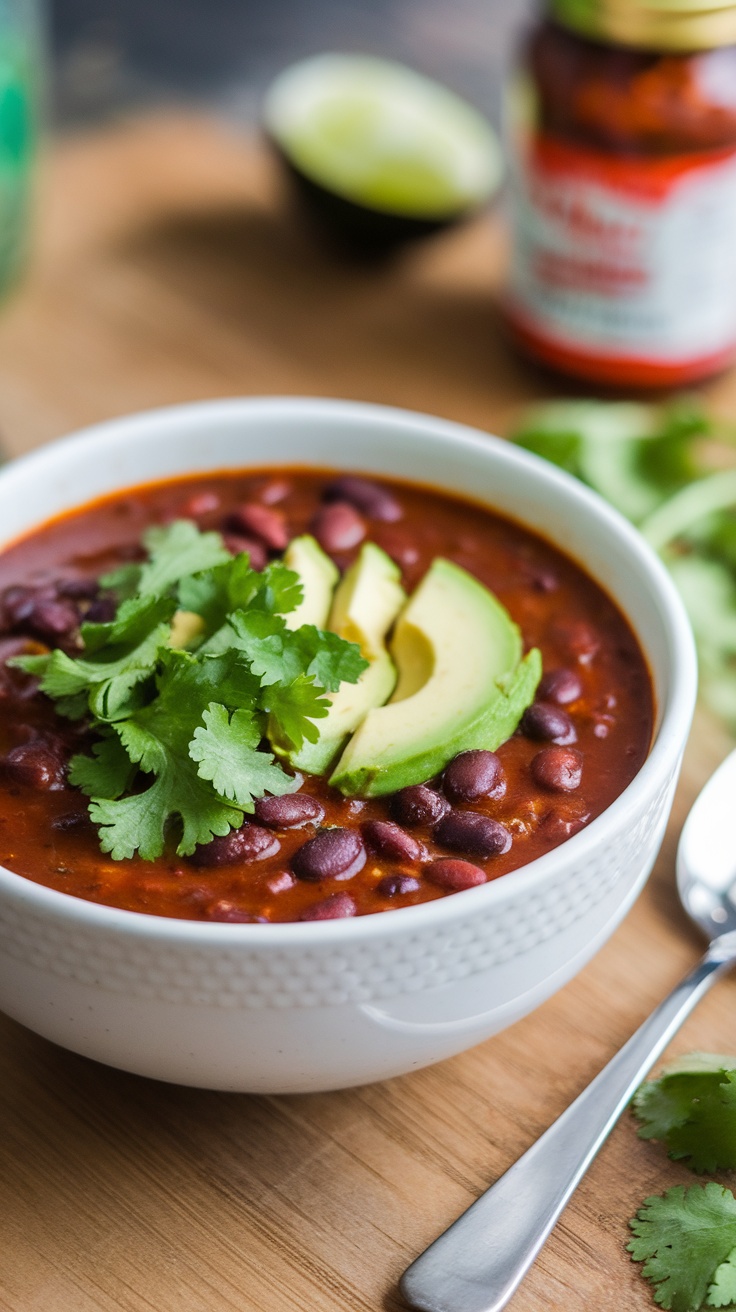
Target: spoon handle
x: 476, y: 1265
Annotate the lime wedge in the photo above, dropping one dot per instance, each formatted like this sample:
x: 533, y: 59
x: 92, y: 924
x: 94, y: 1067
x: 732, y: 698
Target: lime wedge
x: 381, y: 136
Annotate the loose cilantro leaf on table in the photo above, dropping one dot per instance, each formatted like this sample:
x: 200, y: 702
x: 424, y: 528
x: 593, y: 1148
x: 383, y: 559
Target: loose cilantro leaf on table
x: 634, y: 455
x: 182, y: 732
x: 687, y: 1240
x: 670, y: 470
x: 722, y: 1292
x: 691, y: 1108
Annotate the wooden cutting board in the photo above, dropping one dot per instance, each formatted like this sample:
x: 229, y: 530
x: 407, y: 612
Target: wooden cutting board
x: 169, y: 268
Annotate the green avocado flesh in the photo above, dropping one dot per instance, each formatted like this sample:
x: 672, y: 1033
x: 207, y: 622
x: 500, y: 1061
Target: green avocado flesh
x: 365, y: 605
x: 380, y: 135
x: 319, y: 576
x: 463, y: 684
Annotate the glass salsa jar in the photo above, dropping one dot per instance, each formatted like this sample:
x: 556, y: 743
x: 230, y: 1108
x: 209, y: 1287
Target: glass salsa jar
x: 622, y: 130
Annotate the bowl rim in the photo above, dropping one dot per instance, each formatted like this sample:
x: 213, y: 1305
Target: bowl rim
x: 668, y: 742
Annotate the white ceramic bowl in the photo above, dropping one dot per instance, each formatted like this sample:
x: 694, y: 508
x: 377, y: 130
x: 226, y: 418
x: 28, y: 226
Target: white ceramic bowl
x: 297, y: 1007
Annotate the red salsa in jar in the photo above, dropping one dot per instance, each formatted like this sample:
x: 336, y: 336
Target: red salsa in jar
x: 623, y: 143
x: 478, y: 786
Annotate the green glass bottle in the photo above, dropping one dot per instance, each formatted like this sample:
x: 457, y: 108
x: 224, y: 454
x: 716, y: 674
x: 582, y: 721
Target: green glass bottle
x: 19, y: 97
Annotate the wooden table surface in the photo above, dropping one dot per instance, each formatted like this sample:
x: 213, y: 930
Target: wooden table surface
x: 168, y: 270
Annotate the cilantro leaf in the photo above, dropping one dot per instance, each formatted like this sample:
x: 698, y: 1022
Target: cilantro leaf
x: 108, y: 772
x: 595, y: 440
x: 226, y: 750
x: 326, y: 658
x: 214, y: 593
x: 683, y: 1237
x: 267, y: 643
x: 692, y: 1109
x: 669, y: 469
x: 122, y: 581
x: 281, y: 589
x: 157, y: 739
x: 281, y: 654
x: 236, y: 586
x: 292, y: 709
x: 634, y: 455
x: 138, y: 823
x: 722, y: 1292
x: 176, y: 551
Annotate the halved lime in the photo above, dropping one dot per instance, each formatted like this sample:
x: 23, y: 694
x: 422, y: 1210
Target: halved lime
x: 382, y: 137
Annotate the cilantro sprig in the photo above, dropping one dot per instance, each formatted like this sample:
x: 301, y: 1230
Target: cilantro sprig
x: 686, y: 1238
x: 691, y: 1108
x: 670, y: 470
x: 186, y: 736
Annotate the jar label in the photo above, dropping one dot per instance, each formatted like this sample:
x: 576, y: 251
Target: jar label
x: 625, y: 258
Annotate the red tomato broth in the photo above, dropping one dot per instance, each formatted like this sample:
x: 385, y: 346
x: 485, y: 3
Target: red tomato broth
x: 559, y: 608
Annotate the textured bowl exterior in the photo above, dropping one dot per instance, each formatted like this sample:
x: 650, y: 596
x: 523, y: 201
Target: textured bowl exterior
x: 289, y: 1008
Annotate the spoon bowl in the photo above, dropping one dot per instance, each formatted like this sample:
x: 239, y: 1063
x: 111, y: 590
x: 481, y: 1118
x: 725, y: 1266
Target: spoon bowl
x: 706, y: 855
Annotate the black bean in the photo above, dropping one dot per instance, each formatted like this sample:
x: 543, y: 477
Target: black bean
x: 14, y: 685
x: 18, y: 645
x: 336, y: 907
x: 237, y: 543
x: 18, y: 603
x: 40, y: 611
x: 290, y: 811
x: 391, y: 841
x: 468, y: 831
x: 579, y: 638
x: 70, y: 821
x: 548, y: 723
x: 544, y: 580
x: 200, y: 503
x: 281, y: 882
x: 263, y: 522
x: 374, y: 500
x: 37, y: 765
x: 397, y: 885
x: 453, y: 876
x: 561, y: 686
x: 102, y: 611
x: 333, y: 854
x: 249, y: 843
x: 558, y: 768
x: 79, y: 589
x: 472, y: 775
x: 275, y: 490
x: 338, y: 527
x: 560, y: 824
x: 417, y: 805
x: 54, y: 619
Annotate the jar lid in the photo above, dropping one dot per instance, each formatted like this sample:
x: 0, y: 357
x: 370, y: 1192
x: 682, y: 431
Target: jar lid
x: 678, y: 25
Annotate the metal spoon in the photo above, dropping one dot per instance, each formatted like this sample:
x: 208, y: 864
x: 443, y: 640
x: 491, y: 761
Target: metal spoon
x: 477, y: 1264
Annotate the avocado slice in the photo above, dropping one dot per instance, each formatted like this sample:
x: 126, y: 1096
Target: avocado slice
x: 463, y: 684
x: 318, y: 575
x: 367, y: 601
x: 186, y: 629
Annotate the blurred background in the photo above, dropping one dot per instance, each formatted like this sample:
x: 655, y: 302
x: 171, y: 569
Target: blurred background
x: 110, y: 55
